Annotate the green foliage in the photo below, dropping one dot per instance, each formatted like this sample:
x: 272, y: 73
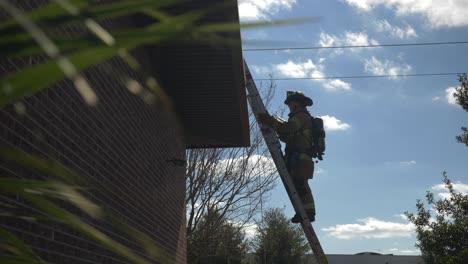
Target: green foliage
x: 278, y: 240
x: 445, y: 238
x: 28, y: 34
x: 48, y: 195
x: 463, y: 138
x: 15, y: 251
x: 461, y: 96
x: 216, y: 240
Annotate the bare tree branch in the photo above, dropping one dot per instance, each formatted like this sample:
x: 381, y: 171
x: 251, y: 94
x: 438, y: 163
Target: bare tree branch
x: 229, y: 182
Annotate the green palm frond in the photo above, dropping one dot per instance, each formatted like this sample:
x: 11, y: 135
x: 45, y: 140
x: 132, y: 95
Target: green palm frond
x: 31, y: 34
x: 18, y: 251
x: 62, y: 185
x: 75, y: 54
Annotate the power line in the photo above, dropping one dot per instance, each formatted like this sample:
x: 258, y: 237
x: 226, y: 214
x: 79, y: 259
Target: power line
x: 360, y: 76
x: 362, y: 46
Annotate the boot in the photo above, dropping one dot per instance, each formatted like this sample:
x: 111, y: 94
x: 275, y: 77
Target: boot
x: 311, y: 217
x: 297, y: 218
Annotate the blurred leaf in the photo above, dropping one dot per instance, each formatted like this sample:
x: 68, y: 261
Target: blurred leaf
x: 16, y: 260
x: 100, y: 32
x: 87, y: 51
x: 35, y: 78
x: 8, y: 185
x: 31, y: 28
x: 180, y: 24
x: 16, y: 42
x: 234, y: 26
x: 40, y: 164
x: 27, y: 190
x: 70, y: 194
x: 157, y: 14
x: 49, y: 47
x: 37, y: 191
x: 10, y: 243
x: 53, y: 14
x: 17, y: 46
x: 73, y: 221
x: 6, y: 205
x: 52, y: 189
x: 217, y: 40
x: 69, y: 6
x: 48, y: 13
x: 178, y: 27
x: 143, y: 240
x: 29, y: 218
x: 124, y: 8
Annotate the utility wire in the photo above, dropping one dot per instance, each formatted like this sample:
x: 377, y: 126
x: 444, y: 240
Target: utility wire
x: 362, y: 46
x: 360, y: 76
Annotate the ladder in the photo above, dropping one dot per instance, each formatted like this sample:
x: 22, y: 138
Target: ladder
x: 274, y: 147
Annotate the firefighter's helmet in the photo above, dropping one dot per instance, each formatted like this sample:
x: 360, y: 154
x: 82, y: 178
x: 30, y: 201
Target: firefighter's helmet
x: 298, y: 96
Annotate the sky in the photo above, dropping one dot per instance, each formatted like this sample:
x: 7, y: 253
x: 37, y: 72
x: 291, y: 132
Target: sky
x: 388, y: 139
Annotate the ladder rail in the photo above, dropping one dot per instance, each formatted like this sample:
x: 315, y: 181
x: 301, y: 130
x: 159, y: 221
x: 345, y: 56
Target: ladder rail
x: 274, y: 147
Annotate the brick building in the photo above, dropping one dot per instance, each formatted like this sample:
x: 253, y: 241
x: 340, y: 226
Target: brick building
x: 131, y: 149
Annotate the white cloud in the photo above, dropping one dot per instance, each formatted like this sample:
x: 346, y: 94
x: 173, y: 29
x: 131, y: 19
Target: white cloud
x: 371, y: 228
x: 377, y: 67
x: 401, y: 164
x: 250, y: 230
x: 436, y: 98
x: 449, y: 95
x: 404, y: 251
x: 408, y: 163
x: 298, y: 70
x: 331, y: 123
x: 444, y: 193
x: 346, y: 39
x: 327, y: 40
x: 260, y: 69
x: 309, y: 69
x: 358, y: 39
x: 288, y: 51
x: 319, y: 170
x: 255, y: 165
x: 395, y: 31
x: 262, y: 9
x: 336, y: 84
x: 365, y: 5
x: 439, y: 13
x: 402, y: 216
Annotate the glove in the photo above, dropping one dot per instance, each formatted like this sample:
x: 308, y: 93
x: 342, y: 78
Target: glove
x: 266, y: 119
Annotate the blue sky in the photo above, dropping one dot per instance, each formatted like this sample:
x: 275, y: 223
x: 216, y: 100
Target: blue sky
x: 388, y: 139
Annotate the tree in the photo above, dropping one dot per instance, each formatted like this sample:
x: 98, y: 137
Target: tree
x: 229, y: 182
x: 216, y: 240
x: 278, y: 240
x: 445, y: 238
x: 461, y: 96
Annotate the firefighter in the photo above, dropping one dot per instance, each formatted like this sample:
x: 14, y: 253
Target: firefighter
x: 297, y: 134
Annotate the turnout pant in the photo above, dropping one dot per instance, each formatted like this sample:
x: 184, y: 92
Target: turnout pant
x: 301, y: 169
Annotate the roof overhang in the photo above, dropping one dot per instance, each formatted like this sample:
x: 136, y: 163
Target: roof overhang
x: 206, y: 82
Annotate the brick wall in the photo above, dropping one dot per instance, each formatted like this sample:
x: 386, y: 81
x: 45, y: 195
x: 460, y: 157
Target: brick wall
x: 123, y: 143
